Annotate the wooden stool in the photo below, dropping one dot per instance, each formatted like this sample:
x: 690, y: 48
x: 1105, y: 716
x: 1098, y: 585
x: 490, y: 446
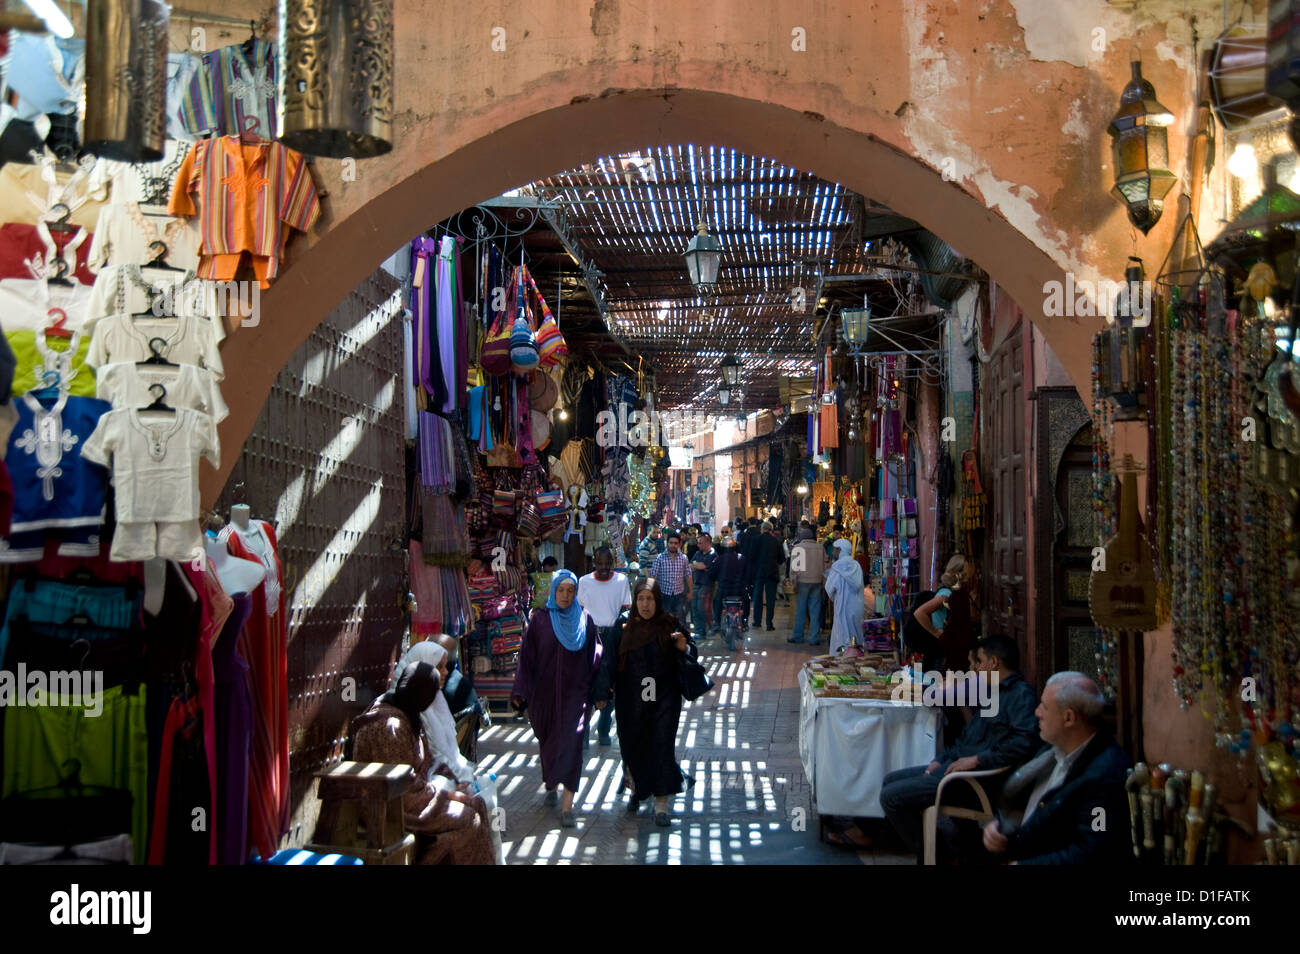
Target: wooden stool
x: 354, y: 794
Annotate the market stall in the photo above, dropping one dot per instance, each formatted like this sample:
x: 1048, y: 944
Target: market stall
x: 852, y: 733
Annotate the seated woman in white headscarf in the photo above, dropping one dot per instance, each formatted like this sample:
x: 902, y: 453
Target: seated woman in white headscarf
x: 844, y: 587
x: 451, y: 825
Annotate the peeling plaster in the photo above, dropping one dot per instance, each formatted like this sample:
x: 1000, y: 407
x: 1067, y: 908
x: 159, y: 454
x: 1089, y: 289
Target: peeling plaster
x: 1075, y: 126
x: 1065, y: 31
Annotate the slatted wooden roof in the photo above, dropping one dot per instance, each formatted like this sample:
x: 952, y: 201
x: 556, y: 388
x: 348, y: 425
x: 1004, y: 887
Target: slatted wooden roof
x: 781, y: 230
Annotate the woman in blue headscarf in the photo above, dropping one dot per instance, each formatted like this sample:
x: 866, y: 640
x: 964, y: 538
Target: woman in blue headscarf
x: 558, y: 663
x: 844, y: 587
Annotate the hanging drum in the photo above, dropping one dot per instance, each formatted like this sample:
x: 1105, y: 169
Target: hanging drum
x: 126, y: 79
x: 1238, y: 80
x: 336, y: 80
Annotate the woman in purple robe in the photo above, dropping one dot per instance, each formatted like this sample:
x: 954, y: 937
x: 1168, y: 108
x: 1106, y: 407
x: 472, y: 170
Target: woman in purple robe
x: 558, y: 663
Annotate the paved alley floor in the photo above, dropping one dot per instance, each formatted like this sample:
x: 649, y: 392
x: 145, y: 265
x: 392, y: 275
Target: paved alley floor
x: 751, y: 803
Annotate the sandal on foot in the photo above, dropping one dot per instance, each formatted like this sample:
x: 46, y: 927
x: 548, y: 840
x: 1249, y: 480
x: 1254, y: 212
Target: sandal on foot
x: 567, y: 820
x: 552, y: 798
x: 846, y: 840
x: 662, y: 819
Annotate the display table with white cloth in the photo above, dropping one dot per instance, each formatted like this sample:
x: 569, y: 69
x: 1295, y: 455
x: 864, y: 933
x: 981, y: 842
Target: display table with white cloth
x: 848, y: 746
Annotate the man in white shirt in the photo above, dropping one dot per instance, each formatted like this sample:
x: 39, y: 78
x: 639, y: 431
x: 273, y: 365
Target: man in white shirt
x: 605, y: 595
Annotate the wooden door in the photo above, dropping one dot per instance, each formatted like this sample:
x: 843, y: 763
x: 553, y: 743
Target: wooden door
x: 1004, y: 456
x: 1073, y: 642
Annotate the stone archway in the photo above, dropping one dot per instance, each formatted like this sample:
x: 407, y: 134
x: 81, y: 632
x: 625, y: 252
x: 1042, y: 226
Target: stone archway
x: 566, y: 136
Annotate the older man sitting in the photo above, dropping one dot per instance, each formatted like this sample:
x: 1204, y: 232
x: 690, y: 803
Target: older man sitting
x: 1076, y: 811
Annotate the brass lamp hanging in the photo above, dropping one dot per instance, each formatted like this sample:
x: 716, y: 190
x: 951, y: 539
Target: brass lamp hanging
x: 1121, y: 352
x: 126, y: 79
x: 336, y: 79
x: 1141, y: 152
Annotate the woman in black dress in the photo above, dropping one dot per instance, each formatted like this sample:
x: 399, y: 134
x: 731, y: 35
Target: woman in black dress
x: 641, y: 673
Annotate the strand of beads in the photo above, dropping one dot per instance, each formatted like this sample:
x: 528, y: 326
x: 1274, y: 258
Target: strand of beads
x: 1103, y: 509
x: 1185, y: 665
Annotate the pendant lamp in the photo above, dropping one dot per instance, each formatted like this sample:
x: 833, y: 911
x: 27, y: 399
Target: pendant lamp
x: 126, y: 79
x: 336, y: 77
x: 1141, y: 151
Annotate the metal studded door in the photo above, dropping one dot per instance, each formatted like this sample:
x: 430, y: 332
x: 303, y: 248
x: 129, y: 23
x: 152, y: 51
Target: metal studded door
x: 325, y: 465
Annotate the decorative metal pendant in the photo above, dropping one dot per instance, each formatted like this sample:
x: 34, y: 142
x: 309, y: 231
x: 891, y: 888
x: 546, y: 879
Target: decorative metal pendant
x: 336, y: 84
x: 126, y: 79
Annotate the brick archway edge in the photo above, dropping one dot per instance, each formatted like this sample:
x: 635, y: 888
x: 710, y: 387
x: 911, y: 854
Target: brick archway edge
x: 622, y: 120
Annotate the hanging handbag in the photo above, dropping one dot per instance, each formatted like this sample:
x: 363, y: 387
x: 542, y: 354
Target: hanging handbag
x: 694, y: 677
x: 523, y: 340
x: 529, y: 522
x: 494, y: 353
x: 503, y: 503
x: 551, y: 347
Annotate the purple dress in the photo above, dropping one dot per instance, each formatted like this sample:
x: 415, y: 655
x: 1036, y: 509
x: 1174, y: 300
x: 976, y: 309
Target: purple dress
x: 557, y: 685
x: 234, y: 733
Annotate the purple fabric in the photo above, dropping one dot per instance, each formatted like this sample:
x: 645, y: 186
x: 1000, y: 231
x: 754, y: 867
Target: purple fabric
x: 234, y: 729
x: 437, y: 458
x: 448, y: 313
x: 556, y: 684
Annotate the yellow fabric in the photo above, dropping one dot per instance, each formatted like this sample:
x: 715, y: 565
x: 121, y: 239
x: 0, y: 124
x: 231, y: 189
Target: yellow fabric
x: 31, y: 363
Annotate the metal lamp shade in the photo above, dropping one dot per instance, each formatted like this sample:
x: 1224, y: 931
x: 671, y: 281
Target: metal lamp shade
x: 1121, y: 369
x: 855, y: 323
x: 1264, y: 231
x: 336, y: 80
x: 1239, y: 91
x: 731, y: 370
x: 126, y: 79
x: 724, y: 395
x: 703, y: 259
x: 1140, y: 149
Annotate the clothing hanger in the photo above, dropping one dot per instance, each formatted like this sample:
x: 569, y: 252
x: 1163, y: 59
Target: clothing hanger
x: 249, y: 44
x: 161, y: 251
x: 57, y: 329
x: 156, y: 355
x: 250, y: 135
x: 60, y: 272
x: 49, y: 390
x: 61, y: 223
x: 158, y: 403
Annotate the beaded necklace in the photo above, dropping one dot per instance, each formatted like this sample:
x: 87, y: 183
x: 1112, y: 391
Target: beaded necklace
x: 1103, y: 508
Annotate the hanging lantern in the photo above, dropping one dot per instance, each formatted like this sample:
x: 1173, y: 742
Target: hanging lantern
x: 1122, y: 356
x: 741, y: 422
x: 801, y: 489
x: 731, y: 370
x: 854, y: 325
x: 336, y: 77
x: 1141, y: 152
x: 126, y: 79
x: 1264, y: 231
x: 724, y: 394
x: 703, y: 259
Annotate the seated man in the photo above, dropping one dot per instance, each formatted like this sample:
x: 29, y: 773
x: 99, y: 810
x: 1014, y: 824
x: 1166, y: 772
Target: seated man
x: 1077, y: 810
x: 1003, y: 733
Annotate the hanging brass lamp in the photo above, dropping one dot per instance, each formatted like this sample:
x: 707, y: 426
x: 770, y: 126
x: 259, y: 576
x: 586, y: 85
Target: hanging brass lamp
x: 126, y: 79
x: 336, y: 78
x: 1141, y: 151
x: 1264, y: 231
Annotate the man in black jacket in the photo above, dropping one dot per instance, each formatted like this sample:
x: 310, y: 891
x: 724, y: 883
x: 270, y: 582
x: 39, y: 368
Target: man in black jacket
x: 748, y: 546
x: 1002, y: 733
x: 1076, y: 811
x: 768, y: 556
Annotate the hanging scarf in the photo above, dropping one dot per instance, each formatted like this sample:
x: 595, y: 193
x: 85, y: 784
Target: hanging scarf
x: 570, y: 625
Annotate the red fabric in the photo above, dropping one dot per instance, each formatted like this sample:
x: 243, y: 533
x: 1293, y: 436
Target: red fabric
x: 158, y: 836
x: 263, y: 644
x: 20, y: 243
x: 101, y: 567
x: 217, y: 606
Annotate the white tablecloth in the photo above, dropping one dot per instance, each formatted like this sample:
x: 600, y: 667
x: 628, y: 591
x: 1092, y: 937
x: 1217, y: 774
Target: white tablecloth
x: 848, y: 746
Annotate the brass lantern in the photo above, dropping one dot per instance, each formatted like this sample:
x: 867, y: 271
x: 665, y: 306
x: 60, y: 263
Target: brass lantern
x: 336, y: 77
x: 1122, y: 357
x: 1141, y: 152
x: 126, y: 79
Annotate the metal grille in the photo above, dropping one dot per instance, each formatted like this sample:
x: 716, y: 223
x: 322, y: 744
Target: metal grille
x: 325, y: 464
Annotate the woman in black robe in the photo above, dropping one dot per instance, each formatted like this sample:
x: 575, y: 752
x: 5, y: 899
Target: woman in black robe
x: 642, y: 674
